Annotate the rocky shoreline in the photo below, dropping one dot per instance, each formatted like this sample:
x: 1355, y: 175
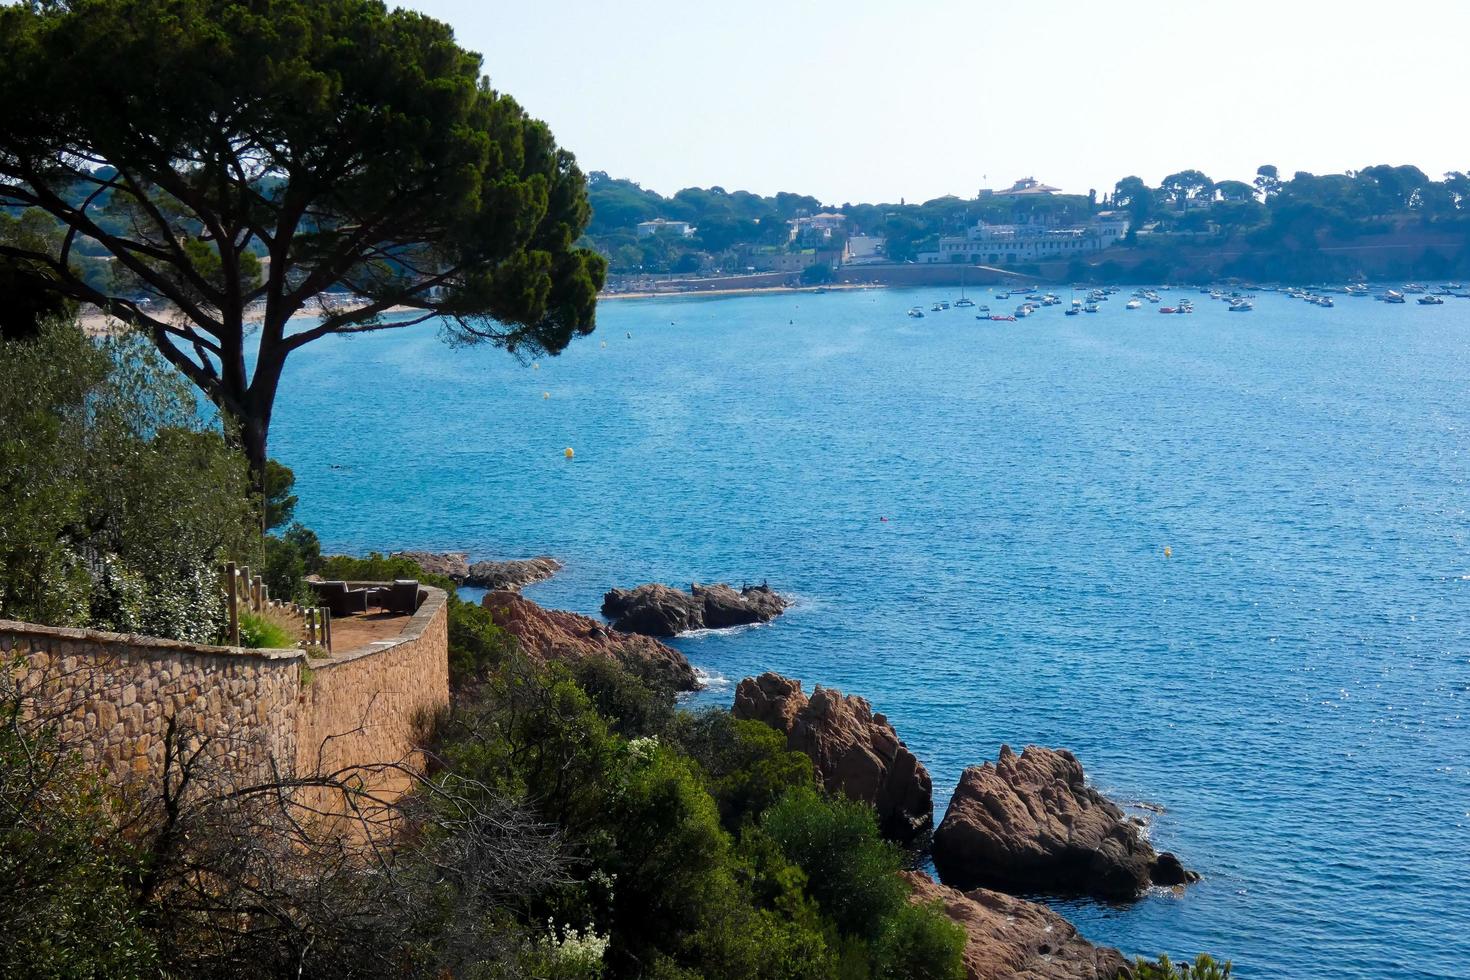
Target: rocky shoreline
x: 1023, y: 824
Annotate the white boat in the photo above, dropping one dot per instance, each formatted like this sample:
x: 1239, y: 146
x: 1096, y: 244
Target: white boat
x: 935, y: 308
x: 1392, y: 296
x: 1430, y: 300
x: 914, y: 311
x: 962, y: 301
x: 1132, y: 304
x: 1241, y: 306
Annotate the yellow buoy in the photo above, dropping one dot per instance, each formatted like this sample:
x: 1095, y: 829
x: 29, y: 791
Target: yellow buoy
x: 546, y: 394
x: 1168, y: 552
x: 567, y: 452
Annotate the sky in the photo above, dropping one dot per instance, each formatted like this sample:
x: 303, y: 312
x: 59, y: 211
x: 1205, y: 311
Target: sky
x: 877, y: 101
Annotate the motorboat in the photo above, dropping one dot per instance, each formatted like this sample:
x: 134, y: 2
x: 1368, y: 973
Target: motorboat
x: 999, y: 318
x: 1431, y: 300
x: 1072, y: 311
x: 915, y: 312
x: 1132, y: 304
x: 1241, y: 305
x: 1392, y: 296
x: 935, y: 308
x: 1090, y: 308
x: 1413, y: 287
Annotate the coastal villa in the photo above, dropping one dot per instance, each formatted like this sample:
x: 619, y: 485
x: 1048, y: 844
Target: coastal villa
x: 818, y: 227
x: 664, y: 226
x: 1036, y: 239
x: 1025, y: 187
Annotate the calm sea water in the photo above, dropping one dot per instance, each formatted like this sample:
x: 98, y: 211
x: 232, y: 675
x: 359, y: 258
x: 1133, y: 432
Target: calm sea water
x: 1292, y: 685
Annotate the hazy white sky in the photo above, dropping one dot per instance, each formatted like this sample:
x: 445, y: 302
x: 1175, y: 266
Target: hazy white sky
x: 872, y: 101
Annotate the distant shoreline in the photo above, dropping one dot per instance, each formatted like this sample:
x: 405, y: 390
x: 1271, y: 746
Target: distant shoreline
x: 738, y: 291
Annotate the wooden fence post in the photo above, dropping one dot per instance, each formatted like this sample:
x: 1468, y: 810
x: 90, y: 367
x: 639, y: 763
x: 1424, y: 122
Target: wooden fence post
x: 234, y: 603
x: 327, y: 625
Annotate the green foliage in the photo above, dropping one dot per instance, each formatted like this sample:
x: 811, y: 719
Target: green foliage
x: 66, y: 907
x: 634, y: 706
x: 853, y: 871
x: 289, y: 558
x: 745, y: 763
x: 359, y: 145
x: 816, y: 275
x: 280, y: 502
x: 260, y: 632
x: 1203, y: 968
x: 116, y: 503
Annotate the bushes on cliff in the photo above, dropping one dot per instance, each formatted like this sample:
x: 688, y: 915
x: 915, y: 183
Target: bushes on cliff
x: 116, y: 500
x: 66, y: 904
x: 698, y: 844
x: 1203, y: 968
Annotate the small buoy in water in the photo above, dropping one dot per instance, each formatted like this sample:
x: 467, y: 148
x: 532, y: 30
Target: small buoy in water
x: 628, y: 335
x: 1168, y: 552
x: 883, y: 519
x: 546, y: 394
x: 604, y: 343
x: 567, y: 452
x: 535, y: 366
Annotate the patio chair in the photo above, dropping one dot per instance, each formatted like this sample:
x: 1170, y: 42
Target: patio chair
x: 403, y: 596
x: 341, y: 600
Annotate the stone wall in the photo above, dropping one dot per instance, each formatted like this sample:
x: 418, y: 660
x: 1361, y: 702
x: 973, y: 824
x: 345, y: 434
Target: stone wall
x: 253, y: 713
x: 369, y: 705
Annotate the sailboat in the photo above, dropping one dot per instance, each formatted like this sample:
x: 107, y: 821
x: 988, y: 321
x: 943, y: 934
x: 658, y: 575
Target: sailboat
x: 963, y: 301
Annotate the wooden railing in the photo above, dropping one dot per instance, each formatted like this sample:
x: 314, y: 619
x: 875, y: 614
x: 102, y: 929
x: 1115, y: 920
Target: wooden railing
x: 246, y: 592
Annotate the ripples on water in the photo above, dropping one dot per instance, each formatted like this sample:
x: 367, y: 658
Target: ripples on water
x: 1290, y: 686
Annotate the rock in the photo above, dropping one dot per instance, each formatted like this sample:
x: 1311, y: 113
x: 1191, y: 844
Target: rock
x: 515, y: 574
x: 657, y: 610
x: 1030, y: 823
x: 1168, y: 870
x: 1012, y: 939
x: 452, y: 564
x: 724, y: 607
x: 550, y: 634
x: 653, y: 610
x: 853, y: 749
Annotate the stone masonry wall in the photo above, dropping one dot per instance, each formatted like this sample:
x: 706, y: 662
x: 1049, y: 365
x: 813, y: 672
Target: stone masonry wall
x: 251, y: 711
x: 368, y: 705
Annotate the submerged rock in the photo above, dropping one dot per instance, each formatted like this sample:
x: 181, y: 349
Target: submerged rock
x: 514, y: 574
x: 1030, y: 823
x: 1010, y: 938
x: 550, y: 634
x: 853, y: 749
x: 658, y: 610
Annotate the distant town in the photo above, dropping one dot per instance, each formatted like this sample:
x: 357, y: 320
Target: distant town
x: 1379, y: 221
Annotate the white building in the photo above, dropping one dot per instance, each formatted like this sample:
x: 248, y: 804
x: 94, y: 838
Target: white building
x: 662, y: 226
x: 1036, y: 241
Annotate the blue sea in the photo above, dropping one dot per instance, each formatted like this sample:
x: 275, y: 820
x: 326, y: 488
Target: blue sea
x: 1221, y: 557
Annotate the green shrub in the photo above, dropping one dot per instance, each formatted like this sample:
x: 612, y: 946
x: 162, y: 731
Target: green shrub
x: 1203, y: 968
x: 745, y: 763
x: 632, y: 705
x: 260, y: 632
x: 116, y: 502
x: 853, y: 873
x: 66, y: 907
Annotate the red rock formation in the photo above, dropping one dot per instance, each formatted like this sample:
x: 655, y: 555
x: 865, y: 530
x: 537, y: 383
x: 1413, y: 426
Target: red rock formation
x: 550, y: 634
x: 1013, y: 939
x: 853, y: 749
x: 1031, y: 823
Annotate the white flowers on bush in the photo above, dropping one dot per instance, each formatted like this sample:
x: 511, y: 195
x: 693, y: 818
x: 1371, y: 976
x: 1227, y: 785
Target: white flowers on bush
x: 578, y: 952
x: 643, y: 749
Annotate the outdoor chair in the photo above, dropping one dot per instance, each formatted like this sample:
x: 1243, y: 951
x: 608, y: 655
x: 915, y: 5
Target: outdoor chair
x: 403, y: 596
x: 341, y: 600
